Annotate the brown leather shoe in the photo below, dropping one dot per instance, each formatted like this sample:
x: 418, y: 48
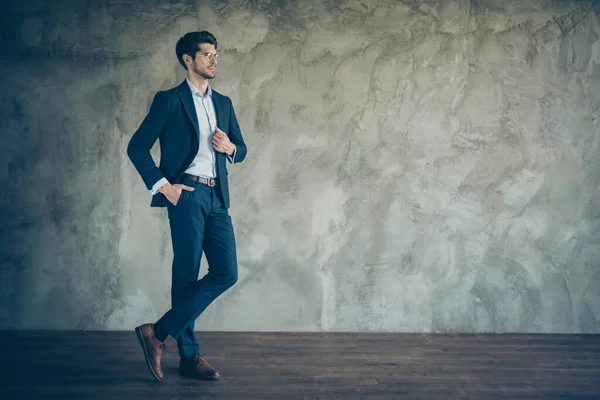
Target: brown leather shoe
x: 197, y: 368
x: 152, y: 349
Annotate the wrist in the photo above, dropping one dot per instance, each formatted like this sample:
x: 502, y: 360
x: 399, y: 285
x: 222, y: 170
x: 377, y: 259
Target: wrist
x: 163, y: 187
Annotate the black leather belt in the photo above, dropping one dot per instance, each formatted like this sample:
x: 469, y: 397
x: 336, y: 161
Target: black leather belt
x: 212, y: 182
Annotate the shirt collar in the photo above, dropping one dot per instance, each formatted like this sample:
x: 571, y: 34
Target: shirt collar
x: 196, y: 92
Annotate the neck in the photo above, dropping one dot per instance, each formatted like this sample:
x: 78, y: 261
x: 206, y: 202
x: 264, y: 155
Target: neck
x: 198, y: 81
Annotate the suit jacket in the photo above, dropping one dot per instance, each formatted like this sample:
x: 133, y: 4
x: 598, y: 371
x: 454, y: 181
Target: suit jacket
x: 172, y: 119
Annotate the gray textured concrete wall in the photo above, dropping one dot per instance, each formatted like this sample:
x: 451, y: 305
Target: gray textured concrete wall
x: 413, y: 165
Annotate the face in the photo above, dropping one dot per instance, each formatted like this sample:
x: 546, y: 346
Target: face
x: 202, y: 65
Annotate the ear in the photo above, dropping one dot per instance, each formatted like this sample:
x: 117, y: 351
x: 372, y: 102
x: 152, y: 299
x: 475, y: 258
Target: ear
x: 187, y: 59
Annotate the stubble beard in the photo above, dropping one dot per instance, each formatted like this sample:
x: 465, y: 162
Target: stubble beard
x: 205, y: 75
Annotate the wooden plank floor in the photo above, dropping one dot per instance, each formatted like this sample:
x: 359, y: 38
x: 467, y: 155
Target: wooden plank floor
x: 306, y: 366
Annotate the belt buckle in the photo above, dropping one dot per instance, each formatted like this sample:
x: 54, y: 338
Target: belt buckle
x: 211, y: 182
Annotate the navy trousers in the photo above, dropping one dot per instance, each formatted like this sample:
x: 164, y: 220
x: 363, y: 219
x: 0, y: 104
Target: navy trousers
x: 199, y: 223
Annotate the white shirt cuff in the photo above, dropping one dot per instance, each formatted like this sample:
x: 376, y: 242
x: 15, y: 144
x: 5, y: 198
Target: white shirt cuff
x: 158, y: 185
x: 232, y: 157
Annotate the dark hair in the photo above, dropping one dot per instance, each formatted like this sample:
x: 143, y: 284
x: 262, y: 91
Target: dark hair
x: 190, y: 44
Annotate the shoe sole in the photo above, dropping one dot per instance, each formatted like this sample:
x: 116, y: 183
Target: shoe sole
x: 140, y: 338
x: 212, y: 378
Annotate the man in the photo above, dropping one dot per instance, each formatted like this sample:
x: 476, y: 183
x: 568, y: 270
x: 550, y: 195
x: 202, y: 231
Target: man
x: 197, y: 131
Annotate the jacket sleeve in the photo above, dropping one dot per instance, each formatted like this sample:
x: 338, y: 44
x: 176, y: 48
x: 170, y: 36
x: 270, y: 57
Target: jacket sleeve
x: 235, y: 136
x: 144, y: 138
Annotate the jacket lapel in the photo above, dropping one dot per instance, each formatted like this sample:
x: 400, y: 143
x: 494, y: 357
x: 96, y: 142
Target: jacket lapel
x: 188, y: 103
x: 216, y: 98
x: 218, y: 104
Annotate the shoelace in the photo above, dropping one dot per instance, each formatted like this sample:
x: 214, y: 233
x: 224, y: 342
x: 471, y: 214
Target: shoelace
x: 199, y: 359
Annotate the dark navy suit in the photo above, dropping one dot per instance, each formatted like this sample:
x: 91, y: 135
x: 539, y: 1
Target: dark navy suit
x: 200, y: 221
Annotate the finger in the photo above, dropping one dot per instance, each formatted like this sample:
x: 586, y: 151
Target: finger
x: 218, y: 130
x: 188, y: 188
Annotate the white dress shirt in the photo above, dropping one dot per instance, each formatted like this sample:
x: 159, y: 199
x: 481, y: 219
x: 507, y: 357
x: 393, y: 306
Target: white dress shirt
x: 204, y: 163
